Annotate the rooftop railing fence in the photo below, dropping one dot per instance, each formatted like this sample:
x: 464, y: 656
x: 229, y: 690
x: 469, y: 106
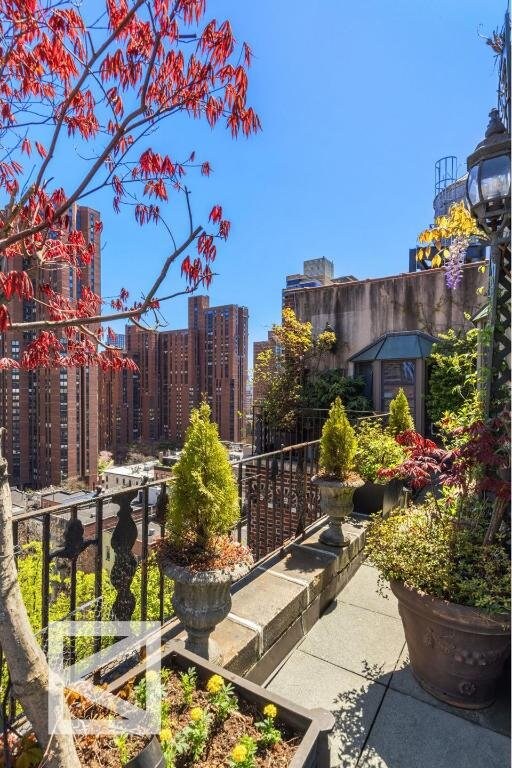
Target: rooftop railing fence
x: 95, y: 560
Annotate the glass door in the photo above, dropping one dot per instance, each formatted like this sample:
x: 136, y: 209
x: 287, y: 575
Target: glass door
x: 396, y: 374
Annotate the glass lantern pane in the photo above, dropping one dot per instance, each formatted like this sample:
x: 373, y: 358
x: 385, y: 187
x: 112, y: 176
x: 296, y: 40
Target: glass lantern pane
x: 472, y: 186
x: 495, y: 177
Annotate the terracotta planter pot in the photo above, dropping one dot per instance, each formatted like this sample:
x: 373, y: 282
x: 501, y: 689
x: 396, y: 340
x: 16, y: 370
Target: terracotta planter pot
x: 202, y: 599
x: 150, y: 757
x: 457, y: 653
x: 336, y: 501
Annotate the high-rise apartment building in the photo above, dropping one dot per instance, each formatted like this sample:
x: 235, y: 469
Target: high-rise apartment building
x: 176, y: 384
x: 51, y: 416
x: 142, y: 348
x: 176, y: 370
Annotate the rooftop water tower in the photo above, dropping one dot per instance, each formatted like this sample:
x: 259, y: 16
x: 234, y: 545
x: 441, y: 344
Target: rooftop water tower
x: 448, y: 188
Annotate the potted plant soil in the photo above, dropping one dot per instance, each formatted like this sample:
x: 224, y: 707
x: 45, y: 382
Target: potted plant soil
x: 199, y: 554
x: 377, y: 449
x: 448, y: 563
x: 336, y: 478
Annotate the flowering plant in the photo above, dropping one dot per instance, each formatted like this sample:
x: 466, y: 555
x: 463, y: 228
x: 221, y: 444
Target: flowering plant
x: 270, y: 735
x: 243, y: 754
x: 221, y: 696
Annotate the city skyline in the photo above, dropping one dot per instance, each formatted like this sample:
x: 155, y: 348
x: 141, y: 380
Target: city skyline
x: 176, y: 369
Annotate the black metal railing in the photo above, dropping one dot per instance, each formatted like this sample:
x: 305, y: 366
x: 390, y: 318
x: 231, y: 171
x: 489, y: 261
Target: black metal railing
x: 94, y: 560
x: 307, y: 428
x: 278, y: 501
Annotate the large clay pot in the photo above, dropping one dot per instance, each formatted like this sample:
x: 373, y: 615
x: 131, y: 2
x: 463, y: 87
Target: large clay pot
x: 457, y: 653
x: 202, y: 599
x: 336, y: 501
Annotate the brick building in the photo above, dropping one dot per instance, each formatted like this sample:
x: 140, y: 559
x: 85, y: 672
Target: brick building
x: 176, y: 369
x: 51, y: 416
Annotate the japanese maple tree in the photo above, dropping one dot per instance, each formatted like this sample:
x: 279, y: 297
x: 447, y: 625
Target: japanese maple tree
x: 107, y: 84
x: 97, y: 87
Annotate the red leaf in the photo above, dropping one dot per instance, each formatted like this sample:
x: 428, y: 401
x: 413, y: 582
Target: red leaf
x: 216, y: 213
x: 40, y: 148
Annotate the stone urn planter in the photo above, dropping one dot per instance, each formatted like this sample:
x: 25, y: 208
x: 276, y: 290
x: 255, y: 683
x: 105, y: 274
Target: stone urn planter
x: 457, y: 653
x: 336, y: 501
x: 201, y: 600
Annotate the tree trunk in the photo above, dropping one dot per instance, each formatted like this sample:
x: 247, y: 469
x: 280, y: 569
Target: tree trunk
x: 25, y: 659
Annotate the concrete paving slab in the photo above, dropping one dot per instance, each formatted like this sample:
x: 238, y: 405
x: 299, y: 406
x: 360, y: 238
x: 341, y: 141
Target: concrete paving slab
x: 356, y: 639
x: 411, y: 734
x: 312, y: 683
x: 362, y: 591
x: 496, y: 717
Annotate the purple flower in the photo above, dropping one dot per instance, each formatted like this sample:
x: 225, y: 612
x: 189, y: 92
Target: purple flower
x: 455, y: 261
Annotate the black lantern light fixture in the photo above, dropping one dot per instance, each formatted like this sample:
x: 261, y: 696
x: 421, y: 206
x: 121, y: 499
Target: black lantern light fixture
x: 488, y: 196
x: 488, y: 183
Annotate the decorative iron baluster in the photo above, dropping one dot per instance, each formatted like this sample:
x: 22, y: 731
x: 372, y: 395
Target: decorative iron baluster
x: 300, y: 478
x: 145, y: 549
x: 125, y: 564
x: 72, y: 546
x: 98, y: 569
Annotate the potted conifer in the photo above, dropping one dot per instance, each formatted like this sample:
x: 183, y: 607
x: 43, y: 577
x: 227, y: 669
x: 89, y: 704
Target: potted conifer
x: 377, y: 450
x: 400, y: 418
x: 199, y: 553
x: 336, y: 479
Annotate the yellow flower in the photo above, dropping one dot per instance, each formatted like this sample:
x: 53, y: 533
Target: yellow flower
x: 270, y: 711
x: 196, y: 714
x: 166, y: 735
x: 215, y: 684
x: 239, y: 753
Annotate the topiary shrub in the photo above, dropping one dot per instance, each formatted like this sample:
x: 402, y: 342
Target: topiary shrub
x: 376, y: 449
x: 338, y: 444
x: 204, y: 497
x: 400, y: 418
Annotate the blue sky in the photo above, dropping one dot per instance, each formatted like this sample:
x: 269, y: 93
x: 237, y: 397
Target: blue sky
x: 357, y: 102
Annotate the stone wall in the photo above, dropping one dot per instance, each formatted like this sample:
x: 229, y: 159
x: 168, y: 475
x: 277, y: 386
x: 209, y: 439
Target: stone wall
x: 361, y: 311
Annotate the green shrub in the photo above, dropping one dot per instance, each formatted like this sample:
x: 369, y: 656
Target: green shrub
x: 452, y: 376
x: 204, y: 497
x: 321, y: 389
x: 376, y: 449
x: 400, y: 419
x: 338, y: 444
x: 429, y: 549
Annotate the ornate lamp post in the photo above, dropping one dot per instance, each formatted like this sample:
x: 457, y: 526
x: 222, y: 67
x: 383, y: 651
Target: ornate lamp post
x: 488, y: 195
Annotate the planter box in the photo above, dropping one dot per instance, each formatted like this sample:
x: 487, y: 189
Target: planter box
x: 377, y: 497
x: 315, y: 725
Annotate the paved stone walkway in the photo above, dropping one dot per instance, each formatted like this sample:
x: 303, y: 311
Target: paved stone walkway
x: 354, y: 662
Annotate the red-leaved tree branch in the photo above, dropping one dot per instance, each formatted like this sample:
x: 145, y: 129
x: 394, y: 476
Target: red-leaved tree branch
x: 102, y: 87
x: 95, y: 91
